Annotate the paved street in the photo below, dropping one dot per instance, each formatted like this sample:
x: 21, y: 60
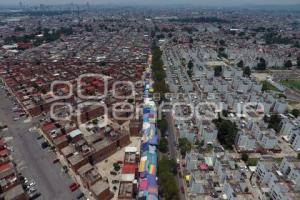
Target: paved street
x: 32, y: 161
x: 173, y: 152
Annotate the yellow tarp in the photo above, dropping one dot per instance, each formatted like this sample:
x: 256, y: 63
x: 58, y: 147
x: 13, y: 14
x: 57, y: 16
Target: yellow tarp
x: 187, y: 178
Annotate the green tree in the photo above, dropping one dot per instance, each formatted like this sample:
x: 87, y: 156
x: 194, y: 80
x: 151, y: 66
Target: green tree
x: 116, y: 166
x: 274, y: 122
x: 218, y: 70
x: 262, y: 64
x: 288, y: 64
x: 190, y: 68
x: 295, y: 112
x: 163, y: 125
x: 190, y: 64
x: 166, y: 179
x: 298, y: 62
x: 227, y: 131
x: 163, y: 145
x: 95, y: 121
x: 240, y: 64
x: 199, y: 144
x: 245, y: 157
x: 247, y: 71
x: 158, y: 70
x: 222, y: 54
x: 190, y: 73
x: 222, y: 42
x: 184, y: 146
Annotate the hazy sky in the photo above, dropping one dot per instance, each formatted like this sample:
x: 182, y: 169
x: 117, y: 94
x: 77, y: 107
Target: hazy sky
x: 199, y: 2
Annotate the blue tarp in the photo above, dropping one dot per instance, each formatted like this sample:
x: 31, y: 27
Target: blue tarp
x: 151, y: 181
x: 145, y: 118
x: 152, y: 149
x: 143, y: 174
x: 146, y: 110
x: 154, y: 140
x: 145, y: 147
x: 147, y: 131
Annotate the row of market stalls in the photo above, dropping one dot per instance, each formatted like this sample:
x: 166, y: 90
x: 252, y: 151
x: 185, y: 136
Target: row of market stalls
x: 148, y: 188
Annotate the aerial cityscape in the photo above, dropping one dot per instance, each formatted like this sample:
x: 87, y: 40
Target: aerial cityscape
x: 148, y: 100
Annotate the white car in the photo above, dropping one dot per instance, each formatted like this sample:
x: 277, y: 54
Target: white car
x: 32, y: 184
x: 32, y: 189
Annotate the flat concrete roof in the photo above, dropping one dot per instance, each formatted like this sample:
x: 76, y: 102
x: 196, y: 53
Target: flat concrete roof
x: 99, y: 187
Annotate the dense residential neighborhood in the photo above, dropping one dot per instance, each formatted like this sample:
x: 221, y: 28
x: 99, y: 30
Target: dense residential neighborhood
x: 159, y: 102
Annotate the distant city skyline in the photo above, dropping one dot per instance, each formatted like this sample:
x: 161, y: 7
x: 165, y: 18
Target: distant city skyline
x: 154, y: 2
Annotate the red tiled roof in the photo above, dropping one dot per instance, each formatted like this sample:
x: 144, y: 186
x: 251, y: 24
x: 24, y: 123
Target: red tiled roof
x: 6, y: 166
x: 47, y: 127
x: 3, y: 152
x: 129, y: 168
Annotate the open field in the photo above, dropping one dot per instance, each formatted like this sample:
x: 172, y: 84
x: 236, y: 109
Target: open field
x: 294, y: 105
x: 268, y: 86
x: 293, y: 84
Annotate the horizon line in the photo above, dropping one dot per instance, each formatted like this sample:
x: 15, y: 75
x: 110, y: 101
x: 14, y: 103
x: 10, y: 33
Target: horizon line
x: 154, y: 4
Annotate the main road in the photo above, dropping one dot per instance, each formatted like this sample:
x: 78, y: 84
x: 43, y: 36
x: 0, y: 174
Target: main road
x: 174, y: 154
x: 32, y: 161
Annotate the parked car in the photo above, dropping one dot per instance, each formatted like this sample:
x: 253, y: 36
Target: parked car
x: 73, y: 187
x: 44, y: 145
x: 39, y: 137
x: 34, y: 195
x: 65, y: 168
x: 80, y: 195
x: 32, y: 189
x: 22, y: 114
x: 55, y: 161
x: 32, y: 184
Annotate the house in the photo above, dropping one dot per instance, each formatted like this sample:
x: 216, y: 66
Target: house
x: 245, y: 142
x: 280, y: 106
x: 290, y: 168
x: 15, y: 193
x: 100, y: 191
x: 88, y: 175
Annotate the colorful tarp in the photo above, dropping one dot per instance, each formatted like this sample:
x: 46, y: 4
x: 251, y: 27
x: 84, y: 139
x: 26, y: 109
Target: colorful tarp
x: 148, y: 165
